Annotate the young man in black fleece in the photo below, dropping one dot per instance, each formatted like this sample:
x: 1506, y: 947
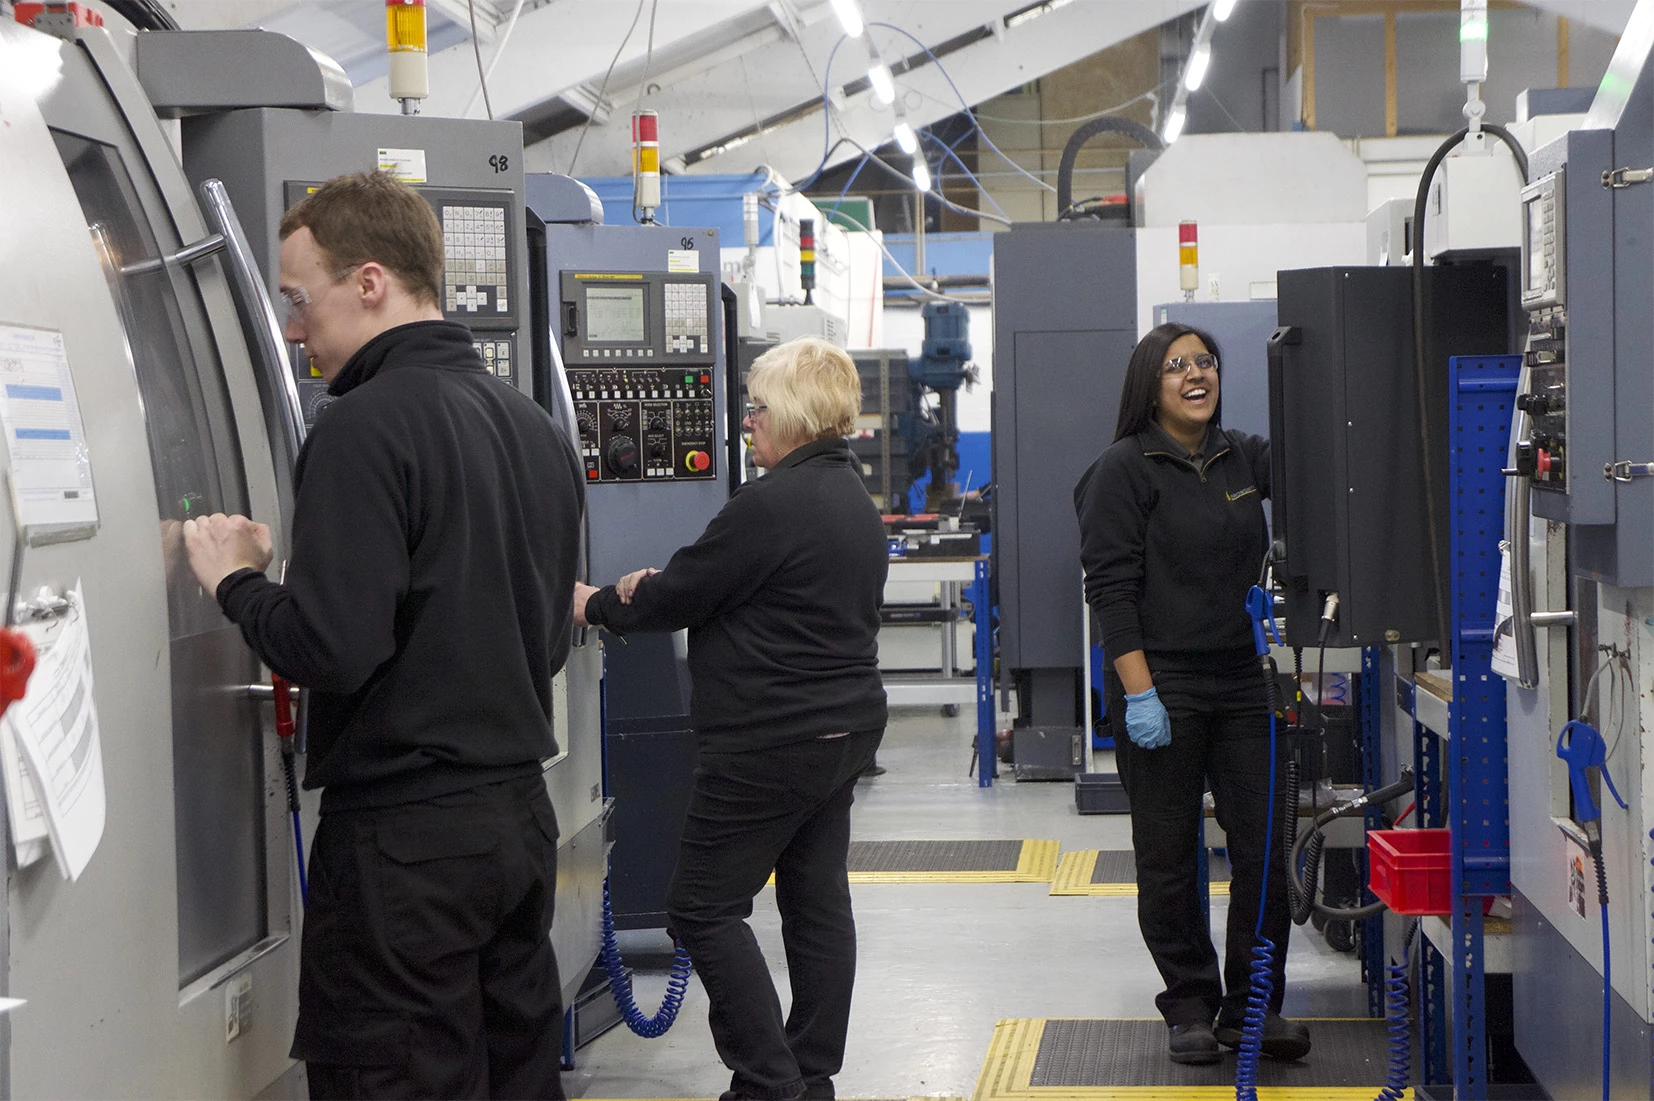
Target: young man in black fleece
x: 426, y: 607
x: 781, y: 598
x: 1172, y: 537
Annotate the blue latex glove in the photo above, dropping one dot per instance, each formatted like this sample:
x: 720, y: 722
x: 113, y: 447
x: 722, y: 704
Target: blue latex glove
x: 1147, y: 723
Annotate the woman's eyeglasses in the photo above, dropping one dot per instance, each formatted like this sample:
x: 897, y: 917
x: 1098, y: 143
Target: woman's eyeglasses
x: 1181, y: 365
x: 754, y: 410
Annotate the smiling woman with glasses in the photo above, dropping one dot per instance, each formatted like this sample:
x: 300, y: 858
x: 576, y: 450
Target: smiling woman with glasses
x: 1172, y: 536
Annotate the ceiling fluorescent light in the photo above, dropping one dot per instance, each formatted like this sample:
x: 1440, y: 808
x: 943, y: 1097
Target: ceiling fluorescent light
x: 1026, y: 15
x: 1174, y: 124
x: 884, y: 85
x: 1199, y: 61
x: 921, y: 174
x: 906, y: 140
x: 1223, y: 9
x: 849, y: 17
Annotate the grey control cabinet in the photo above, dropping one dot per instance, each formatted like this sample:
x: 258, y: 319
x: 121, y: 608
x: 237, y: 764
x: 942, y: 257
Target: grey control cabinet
x: 1347, y: 487
x: 1065, y: 322
x: 471, y: 173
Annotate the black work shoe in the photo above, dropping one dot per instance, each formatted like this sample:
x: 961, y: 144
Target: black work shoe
x: 1282, y: 1039
x: 1193, y: 1045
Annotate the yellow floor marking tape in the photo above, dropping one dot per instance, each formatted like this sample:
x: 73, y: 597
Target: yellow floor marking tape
x: 1037, y: 863
x: 1079, y: 865
x: 1009, y: 1068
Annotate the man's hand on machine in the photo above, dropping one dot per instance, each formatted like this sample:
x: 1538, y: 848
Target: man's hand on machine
x: 1147, y: 724
x: 219, y: 545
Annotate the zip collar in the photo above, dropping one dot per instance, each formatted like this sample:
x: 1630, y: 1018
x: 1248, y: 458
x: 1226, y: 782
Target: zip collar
x: 1156, y: 442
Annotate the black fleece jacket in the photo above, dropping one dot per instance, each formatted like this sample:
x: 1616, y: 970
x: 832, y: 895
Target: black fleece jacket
x: 1171, y: 542
x: 781, y: 598
x: 427, y: 604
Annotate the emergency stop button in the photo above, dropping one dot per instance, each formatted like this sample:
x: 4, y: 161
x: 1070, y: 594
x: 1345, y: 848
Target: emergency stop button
x: 697, y: 461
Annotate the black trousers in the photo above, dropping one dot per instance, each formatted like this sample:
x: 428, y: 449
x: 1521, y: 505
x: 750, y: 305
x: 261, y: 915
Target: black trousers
x: 785, y: 809
x: 1220, y: 739
x: 426, y: 968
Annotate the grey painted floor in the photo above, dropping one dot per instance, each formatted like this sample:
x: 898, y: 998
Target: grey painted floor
x: 940, y: 964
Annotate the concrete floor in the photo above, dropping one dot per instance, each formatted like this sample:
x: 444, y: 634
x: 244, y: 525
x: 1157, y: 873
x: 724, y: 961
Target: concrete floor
x: 941, y: 963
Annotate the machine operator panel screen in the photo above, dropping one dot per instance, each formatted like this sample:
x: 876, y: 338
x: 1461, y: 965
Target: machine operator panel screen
x: 639, y: 350
x: 479, y: 271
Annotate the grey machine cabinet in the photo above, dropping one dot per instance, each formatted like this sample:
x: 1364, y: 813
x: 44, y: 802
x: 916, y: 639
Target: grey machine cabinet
x: 638, y: 328
x: 1065, y: 322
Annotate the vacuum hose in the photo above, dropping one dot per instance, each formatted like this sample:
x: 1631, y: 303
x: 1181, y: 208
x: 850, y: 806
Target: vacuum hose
x: 620, y: 983
x: 1308, y: 849
x: 1261, y: 984
x: 1399, y: 1001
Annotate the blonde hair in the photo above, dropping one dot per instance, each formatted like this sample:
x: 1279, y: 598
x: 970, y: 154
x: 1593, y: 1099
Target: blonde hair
x: 811, y: 389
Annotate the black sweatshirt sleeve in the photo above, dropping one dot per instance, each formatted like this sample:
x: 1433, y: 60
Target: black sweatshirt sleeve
x: 719, y: 571
x: 1256, y: 450
x: 333, y: 622
x: 1114, y: 518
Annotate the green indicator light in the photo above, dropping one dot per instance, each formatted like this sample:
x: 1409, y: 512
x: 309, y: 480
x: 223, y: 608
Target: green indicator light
x: 185, y: 501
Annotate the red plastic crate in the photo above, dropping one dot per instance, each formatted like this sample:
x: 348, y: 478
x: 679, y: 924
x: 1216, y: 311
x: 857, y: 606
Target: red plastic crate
x: 1412, y: 870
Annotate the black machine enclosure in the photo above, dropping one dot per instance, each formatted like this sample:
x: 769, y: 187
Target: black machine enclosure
x: 1347, y: 492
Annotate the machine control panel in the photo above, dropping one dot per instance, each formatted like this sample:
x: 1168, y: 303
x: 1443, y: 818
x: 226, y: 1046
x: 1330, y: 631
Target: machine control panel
x: 624, y: 319
x: 645, y: 424
x: 1543, y: 456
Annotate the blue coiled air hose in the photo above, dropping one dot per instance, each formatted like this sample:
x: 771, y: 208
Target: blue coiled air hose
x: 1398, y: 1000
x: 1261, y: 986
x: 620, y: 983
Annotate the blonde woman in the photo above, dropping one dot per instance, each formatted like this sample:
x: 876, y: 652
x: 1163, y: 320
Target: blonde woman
x: 781, y: 598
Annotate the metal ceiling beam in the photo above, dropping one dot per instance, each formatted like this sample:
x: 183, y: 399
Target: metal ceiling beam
x: 560, y: 46
x: 489, y: 16
x: 783, y: 89
x: 774, y: 76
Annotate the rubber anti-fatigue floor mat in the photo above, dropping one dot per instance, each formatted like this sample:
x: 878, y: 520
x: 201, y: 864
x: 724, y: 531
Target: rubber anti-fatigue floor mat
x: 1134, y: 1053
x: 1027, y: 861
x: 1113, y: 872
x: 1347, y: 1053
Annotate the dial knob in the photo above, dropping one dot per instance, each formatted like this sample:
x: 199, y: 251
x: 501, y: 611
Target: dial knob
x: 622, y: 454
x: 587, y: 420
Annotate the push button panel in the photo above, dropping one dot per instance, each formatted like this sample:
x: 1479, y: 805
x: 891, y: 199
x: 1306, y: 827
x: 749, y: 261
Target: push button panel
x: 645, y: 425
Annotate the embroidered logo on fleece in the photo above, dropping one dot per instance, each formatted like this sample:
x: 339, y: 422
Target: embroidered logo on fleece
x: 1242, y: 493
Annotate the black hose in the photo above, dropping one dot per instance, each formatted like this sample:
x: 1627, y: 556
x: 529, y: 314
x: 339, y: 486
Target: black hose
x: 1420, y: 375
x: 144, y: 15
x: 1295, y: 898
x: 1309, y: 848
x: 1071, y: 153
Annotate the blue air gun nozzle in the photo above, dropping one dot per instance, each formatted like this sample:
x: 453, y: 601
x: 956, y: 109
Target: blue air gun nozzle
x: 1580, y: 745
x: 1262, y: 611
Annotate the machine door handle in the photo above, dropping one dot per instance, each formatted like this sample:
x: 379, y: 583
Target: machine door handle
x: 279, y: 390
x: 209, y: 245
x: 1518, y: 507
x: 1279, y: 498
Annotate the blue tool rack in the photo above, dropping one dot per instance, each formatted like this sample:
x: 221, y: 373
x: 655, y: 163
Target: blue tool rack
x: 1476, y: 807
x: 982, y: 616
x: 1372, y: 777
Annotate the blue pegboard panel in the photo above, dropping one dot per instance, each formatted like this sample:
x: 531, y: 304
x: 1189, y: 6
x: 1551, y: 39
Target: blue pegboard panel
x: 1483, y: 397
x: 1372, y: 776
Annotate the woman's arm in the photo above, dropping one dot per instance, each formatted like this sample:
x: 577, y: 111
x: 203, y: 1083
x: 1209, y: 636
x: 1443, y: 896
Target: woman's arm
x: 1133, y: 669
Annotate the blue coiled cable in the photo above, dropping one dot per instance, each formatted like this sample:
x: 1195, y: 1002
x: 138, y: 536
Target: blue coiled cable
x: 1261, y: 986
x: 1398, y: 998
x: 620, y: 983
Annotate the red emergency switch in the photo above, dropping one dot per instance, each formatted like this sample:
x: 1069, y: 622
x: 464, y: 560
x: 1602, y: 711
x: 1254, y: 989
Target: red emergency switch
x: 697, y: 461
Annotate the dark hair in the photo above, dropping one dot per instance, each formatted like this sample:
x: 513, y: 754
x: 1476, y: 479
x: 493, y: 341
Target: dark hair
x: 370, y: 216
x: 1141, y: 391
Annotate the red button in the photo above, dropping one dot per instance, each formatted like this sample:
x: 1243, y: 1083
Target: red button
x: 591, y: 475
x: 705, y: 379
x: 1543, y: 463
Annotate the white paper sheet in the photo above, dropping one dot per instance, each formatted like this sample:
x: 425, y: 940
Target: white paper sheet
x: 56, y: 725
x: 51, y: 469
x: 25, y: 810
x: 1504, y: 634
